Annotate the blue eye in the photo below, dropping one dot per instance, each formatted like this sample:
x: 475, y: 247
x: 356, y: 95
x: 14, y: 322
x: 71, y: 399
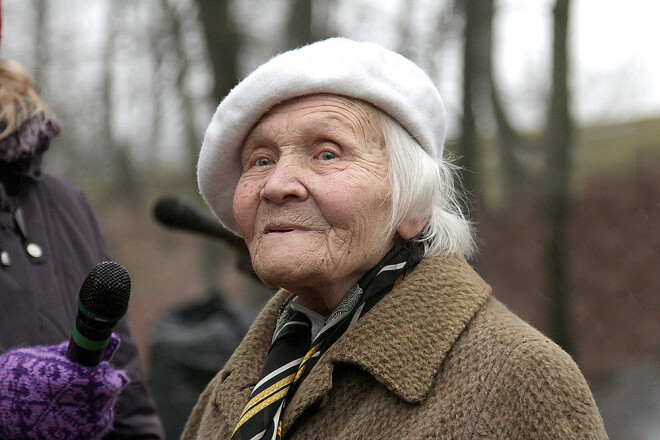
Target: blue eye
x: 262, y: 162
x: 327, y: 155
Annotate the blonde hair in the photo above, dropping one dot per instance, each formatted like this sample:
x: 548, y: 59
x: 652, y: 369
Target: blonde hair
x: 19, y: 100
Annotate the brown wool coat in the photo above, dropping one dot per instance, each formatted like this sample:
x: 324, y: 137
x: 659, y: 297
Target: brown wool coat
x: 436, y: 358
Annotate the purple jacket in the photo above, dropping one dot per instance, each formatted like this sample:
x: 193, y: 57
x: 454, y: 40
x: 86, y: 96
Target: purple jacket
x: 38, y: 295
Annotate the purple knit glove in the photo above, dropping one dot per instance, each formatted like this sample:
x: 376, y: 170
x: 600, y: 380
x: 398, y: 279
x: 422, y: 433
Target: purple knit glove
x: 44, y: 395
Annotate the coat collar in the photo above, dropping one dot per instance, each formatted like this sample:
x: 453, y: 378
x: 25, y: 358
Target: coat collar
x: 401, y: 341
x: 406, y: 336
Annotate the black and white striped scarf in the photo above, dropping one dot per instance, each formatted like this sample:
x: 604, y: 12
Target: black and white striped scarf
x: 292, y: 353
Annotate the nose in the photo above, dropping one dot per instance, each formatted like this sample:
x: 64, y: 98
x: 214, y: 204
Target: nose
x: 284, y: 183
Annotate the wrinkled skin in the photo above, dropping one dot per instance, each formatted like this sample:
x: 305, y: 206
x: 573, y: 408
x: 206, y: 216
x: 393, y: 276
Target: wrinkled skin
x: 312, y: 200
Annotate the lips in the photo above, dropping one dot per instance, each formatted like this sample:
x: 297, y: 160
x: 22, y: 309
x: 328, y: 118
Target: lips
x: 281, y: 228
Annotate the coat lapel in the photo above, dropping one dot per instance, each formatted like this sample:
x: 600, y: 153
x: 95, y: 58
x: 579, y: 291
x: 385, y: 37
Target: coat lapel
x: 317, y: 384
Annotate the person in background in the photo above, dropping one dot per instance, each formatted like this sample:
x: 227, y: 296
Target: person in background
x: 328, y: 161
x: 49, y: 241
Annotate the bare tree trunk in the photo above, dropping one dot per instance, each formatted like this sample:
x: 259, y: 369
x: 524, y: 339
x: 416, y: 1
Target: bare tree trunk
x: 476, y: 81
x: 469, y: 140
x: 322, y: 18
x: 105, y: 129
x: 125, y: 182
x: 193, y: 138
x: 300, y: 28
x: 304, y: 26
x: 223, y: 42
x: 510, y: 141
x: 405, y: 26
x: 559, y: 141
x: 41, y: 43
x: 156, y: 86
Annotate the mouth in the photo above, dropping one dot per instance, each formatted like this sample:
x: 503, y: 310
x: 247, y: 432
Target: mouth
x: 280, y: 229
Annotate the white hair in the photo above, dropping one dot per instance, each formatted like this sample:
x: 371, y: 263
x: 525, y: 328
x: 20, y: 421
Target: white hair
x: 422, y: 188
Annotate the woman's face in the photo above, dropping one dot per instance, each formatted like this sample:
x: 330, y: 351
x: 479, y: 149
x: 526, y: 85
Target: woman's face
x: 312, y: 200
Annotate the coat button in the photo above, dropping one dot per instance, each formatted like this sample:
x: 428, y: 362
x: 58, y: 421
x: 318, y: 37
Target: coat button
x: 5, y: 260
x: 34, y: 250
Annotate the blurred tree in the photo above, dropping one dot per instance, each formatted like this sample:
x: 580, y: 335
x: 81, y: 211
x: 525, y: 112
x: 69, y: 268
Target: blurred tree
x: 156, y: 36
x: 41, y: 40
x: 511, y: 144
x: 476, y: 82
x: 559, y: 143
x: 300, y: 30
x: 192, y: 137
x: 223, y: 43
x: 303, y: 25
x: 405, y: 28
x: 124, y: 181
x: 478, y: 89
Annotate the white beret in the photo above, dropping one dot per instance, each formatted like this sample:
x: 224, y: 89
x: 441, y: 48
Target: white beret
x: 340, y: 66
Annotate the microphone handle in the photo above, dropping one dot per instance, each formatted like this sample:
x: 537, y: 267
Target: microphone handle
x: 89, y: 339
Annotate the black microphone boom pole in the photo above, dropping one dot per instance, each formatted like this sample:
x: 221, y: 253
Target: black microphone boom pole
x: 102, y: 302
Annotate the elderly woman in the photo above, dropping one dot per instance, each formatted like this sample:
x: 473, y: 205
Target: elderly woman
x: 327, y: 160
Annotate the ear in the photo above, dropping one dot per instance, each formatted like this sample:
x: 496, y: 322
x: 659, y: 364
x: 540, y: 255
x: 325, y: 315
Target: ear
x: 410, y: 228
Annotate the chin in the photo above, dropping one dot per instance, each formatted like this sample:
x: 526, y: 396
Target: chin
x: 289, y: 275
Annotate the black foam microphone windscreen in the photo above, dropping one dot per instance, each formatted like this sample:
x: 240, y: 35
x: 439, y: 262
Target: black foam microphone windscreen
x: 102, y: 301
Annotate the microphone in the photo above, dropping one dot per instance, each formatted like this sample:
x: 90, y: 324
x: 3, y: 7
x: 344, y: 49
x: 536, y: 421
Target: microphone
x: 175, y: 213
x: 102, y: 302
